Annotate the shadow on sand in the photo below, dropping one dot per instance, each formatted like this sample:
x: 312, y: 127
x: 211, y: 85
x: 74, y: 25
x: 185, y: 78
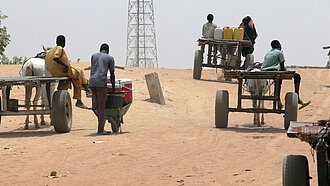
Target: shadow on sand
x: 218, y: 81
x: 150, y: 100
x: 32, y: 132
x: 26, y: 133
x: 250, y: 128
x: 112, y: 134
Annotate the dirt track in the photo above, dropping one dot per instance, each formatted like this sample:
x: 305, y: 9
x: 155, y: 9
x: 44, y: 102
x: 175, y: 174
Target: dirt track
x: 175, y: 144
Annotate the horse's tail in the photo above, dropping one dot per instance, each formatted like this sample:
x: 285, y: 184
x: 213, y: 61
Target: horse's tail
x: 27, y: 69
x: 21, y: 71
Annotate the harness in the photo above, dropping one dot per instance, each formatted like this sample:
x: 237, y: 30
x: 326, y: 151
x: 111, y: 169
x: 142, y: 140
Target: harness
x: 256, y: 67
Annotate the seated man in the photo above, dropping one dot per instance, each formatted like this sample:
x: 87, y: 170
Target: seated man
x: 274, y: 61
x: 58, y: 64
x: 209, y: 27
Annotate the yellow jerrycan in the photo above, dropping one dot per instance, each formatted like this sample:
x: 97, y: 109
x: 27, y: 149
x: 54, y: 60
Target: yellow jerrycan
x: 228, y: 33
x: 238, y: 33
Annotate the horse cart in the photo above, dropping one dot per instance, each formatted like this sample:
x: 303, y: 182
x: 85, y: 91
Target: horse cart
x: 60, y: 109
x: 228, y: 51
x: 222, y: 108
x: 295, y: 171
x: 295, y: 167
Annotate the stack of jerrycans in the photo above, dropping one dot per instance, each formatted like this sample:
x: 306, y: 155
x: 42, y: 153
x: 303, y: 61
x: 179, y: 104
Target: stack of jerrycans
x: 236, y: 34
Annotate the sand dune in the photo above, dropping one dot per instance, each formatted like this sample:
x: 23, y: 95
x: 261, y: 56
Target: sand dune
x: 172, y: 144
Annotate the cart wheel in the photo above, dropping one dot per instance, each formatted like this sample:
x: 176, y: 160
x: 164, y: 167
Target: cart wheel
x: 62, y: 111
x: 221, y: 109
x: 291, y: 108
x: 322, y: 168
x: 295, y: 171
x: 115, y: 124
x: 198, y: 60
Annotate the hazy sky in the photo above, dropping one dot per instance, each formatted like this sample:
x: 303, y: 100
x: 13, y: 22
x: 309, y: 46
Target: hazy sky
x: 302, y: 26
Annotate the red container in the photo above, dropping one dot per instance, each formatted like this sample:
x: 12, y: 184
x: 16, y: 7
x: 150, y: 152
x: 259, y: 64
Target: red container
x: 117, y: 85
x: 127, y: 87
x: 108, y: 78
x: 123, y: 85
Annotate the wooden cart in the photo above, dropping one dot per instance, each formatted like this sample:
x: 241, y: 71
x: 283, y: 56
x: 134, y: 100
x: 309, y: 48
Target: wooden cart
x: 223, y: 54
x: 222, y: 97
x: 60, y: 110
x: 295, y: 167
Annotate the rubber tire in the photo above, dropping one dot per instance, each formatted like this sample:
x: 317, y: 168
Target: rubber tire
x: 291, y: 109
x: 198, y: 60
x: 62, y: 111
x: 295, y: 171
x: 322, y: 169
x: 221, y: 109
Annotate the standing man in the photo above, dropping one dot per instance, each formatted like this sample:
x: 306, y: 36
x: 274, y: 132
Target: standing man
x: 209, y: 27
x: 100, y: 64
x: 250, y: 33
x: 274, y: 61
x: 58, y: 64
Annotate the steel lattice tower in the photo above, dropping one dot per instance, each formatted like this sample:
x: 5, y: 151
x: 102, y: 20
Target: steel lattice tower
x: 141, y: 35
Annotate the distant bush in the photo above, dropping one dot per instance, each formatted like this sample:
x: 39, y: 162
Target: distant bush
x: 16, y: 60
x: 313, y: 67
x: 328, y: 64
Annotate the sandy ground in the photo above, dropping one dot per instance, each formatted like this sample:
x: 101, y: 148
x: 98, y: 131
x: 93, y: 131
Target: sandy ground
x: 174, y: 144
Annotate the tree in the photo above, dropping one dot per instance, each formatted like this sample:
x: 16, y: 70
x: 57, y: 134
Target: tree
x: 4, y: 36
x: 328, y: 63
x: 4, y: 59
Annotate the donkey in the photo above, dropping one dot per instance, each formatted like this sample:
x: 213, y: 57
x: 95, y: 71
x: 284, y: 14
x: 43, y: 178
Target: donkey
x: 257, y: 87
x: 35, y: 66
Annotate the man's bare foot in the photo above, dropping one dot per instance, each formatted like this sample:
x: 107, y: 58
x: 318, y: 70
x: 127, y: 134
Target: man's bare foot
x: 304, y: 104
x: 80, y: 104
x: 88, y: 91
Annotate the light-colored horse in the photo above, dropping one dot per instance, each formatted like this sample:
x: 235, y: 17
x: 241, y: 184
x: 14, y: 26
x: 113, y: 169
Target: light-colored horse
x: 257, y: 87
x: 36, y: 67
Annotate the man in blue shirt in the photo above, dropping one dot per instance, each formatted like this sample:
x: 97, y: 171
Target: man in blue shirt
x: 100, y: 64
x: 274, y: 61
